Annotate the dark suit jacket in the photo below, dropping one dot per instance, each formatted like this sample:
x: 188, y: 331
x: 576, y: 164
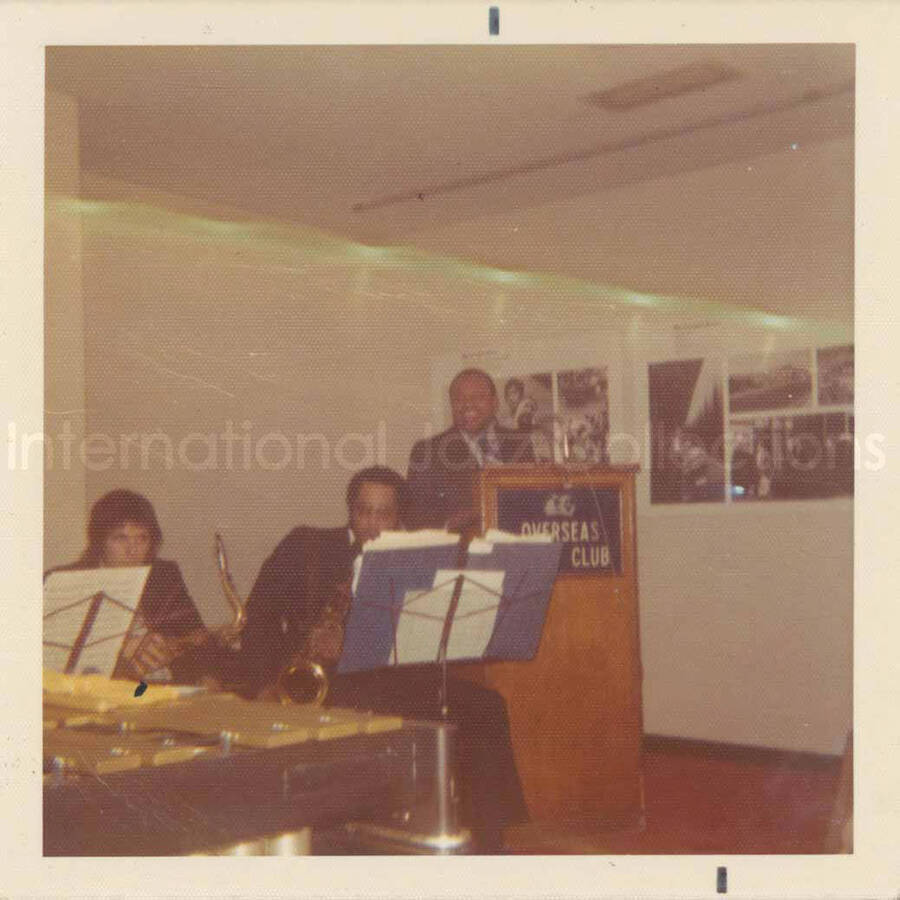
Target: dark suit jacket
x: 292, y: 588
x: 441, y: 469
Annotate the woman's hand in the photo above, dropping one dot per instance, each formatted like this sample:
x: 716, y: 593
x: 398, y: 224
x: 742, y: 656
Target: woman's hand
x: 211, y: 684
x: 151, y: 652
x: 155, y: 651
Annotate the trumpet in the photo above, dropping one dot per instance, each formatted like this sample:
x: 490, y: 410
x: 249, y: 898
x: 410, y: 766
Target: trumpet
x: 303, y: 680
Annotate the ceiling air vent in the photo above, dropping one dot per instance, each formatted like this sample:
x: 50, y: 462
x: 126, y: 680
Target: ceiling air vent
x: 684, y: 80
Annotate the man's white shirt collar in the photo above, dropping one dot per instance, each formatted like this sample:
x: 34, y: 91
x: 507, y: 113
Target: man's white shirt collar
x: 357, y: 562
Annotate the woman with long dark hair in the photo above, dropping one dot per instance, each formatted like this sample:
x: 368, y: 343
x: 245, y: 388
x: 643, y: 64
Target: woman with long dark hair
x: 174, y: 645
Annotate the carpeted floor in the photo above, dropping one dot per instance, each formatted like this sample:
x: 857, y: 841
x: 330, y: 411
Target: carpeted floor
x: 707, y: 798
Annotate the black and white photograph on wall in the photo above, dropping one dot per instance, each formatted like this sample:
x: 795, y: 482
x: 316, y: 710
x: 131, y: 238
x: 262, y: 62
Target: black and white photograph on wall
x: 687, y: 441
x: 792, y: 457
x: 583, y: 415
x: 835, y: 374
x: 769, y: 381
x: 526, y: 404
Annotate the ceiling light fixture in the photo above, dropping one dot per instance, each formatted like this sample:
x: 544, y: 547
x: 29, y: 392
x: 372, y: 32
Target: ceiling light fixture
x: 696, y: 76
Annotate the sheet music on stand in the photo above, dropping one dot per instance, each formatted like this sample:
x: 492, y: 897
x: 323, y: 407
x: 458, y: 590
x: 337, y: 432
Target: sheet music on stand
x: 88, y: 614
x: 415, y: 603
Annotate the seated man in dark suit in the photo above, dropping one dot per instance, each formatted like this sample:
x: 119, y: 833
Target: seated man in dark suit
x: 296, y: 610
x: 440, y: 468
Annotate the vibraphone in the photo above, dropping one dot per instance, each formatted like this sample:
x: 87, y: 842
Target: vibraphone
x: 214, y: 774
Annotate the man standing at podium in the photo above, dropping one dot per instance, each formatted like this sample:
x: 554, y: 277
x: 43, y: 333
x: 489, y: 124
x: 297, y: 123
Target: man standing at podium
x: 441, y: 468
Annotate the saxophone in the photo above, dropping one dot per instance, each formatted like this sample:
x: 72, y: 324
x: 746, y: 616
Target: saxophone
x: 303, y: 679
x: 230, y: 633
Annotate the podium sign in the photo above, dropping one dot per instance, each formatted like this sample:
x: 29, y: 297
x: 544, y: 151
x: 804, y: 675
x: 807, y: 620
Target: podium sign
x: 586, y: 520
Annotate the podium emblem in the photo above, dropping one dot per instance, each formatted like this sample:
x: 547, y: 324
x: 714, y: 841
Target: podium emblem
x: 560, y: 505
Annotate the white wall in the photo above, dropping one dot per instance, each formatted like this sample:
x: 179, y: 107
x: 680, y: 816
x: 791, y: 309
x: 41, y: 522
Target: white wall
x: 746, y: 624
x: 747, y: 608
x: 64, y: 396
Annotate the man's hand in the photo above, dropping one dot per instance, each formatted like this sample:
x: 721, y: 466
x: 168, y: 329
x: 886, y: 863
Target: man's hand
x: 464, y: 519
x: 325, y: 641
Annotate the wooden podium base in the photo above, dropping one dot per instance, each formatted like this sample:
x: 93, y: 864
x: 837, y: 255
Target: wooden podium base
x: 575, y: 709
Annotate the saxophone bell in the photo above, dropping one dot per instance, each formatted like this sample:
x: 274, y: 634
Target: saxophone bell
x: 302, y: 681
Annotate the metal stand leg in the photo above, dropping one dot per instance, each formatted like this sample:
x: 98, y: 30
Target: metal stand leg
x: 445, y: 700
x: 433, y: 827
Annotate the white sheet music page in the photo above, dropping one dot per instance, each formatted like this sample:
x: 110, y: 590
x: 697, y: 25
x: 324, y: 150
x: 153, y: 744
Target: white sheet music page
x: 476, y: 612
x: 67, y: 601
x: 421, y: 624
x: 424, y: 537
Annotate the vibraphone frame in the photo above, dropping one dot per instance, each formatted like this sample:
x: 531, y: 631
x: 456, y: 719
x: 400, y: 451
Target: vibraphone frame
x: 394, y: 790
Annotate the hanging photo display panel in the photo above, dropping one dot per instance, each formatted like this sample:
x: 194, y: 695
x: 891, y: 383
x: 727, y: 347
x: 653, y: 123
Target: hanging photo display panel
x: 775, y: 453
x: 687, y: 440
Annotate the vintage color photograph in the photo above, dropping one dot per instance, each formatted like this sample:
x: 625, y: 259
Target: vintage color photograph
x: 311, y: 586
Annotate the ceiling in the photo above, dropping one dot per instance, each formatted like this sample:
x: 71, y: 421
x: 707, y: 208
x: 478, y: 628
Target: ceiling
x: 386, y: 144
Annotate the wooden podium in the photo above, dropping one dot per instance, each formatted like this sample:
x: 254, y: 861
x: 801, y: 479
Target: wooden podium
x: 575, y: 709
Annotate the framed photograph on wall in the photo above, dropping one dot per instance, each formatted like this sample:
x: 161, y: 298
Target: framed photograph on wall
x: 526, y: 404
x: 765, y: 381
x: 835, y: 375
x: 796, y: 457
x: 808, y: 454
x: 583, y: 415
x: 687, y: 425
